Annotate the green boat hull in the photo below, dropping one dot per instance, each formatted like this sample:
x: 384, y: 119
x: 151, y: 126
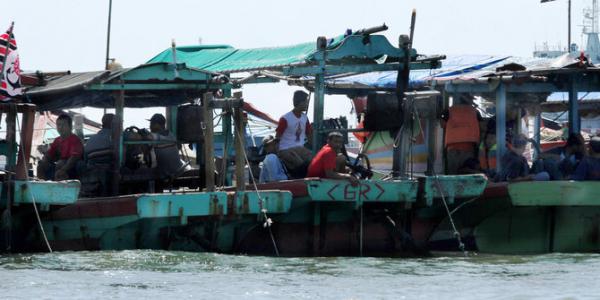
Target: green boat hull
x: 543, y: 217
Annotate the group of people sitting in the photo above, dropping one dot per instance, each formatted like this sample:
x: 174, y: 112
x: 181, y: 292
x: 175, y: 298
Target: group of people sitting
x: 67, y: 155
x: 468, y: 151
x: 286, y: 157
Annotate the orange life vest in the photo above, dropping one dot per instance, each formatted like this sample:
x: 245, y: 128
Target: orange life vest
x: 462, y: 125
x: 487, y: 161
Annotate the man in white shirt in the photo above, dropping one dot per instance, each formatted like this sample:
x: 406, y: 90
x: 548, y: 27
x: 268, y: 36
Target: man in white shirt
x: 293, y: 130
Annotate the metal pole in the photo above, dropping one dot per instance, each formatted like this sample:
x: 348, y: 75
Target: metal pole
x: 500, y: 124
x: 569, y: 29
x: 536, y: 133
x: 108, y: 35
x: 117, y: 134
x: 573, y: 108
x: 209, y: 154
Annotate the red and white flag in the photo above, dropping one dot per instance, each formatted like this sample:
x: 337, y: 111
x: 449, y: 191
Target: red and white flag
x: 10, y: 75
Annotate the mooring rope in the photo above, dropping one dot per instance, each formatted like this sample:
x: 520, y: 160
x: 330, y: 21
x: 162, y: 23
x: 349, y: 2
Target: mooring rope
x: 461, y: 245
x: 37, y: 214
x: 268, y: 222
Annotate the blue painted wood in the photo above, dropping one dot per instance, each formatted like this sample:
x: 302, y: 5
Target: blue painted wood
x: 453, y: 187
x: 251, y: 202
x: 182, y: 205
x: 328, y: 190
x: 46, y: 192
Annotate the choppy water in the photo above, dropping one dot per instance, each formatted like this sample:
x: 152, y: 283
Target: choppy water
x: 173, y: 275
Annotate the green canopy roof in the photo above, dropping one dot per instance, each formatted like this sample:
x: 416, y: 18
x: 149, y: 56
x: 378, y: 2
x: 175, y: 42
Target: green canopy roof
x: 225, y: 59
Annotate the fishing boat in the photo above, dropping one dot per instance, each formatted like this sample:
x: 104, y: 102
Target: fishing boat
x: 509, y: 217
x: 301, y: 217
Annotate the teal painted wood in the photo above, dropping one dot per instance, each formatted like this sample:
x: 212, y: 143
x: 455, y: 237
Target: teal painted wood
x: 555, y: 193
x: 453, y: 186
x: 250, y: 202
x: 327, y: 190
x: 182, y: 205
x: 165, y: 72
x: 72, y: 229
x: 354, y: 46
x: 46, y: 192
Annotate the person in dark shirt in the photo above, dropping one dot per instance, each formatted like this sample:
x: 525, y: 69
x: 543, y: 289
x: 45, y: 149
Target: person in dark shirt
x: 589, y: 167
x: 168, y: 160
x: 573, y: 153
x: 513, y: 164
x: 98, y: 147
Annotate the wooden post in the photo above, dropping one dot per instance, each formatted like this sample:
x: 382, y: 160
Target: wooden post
x: 11, y: 136
x: 319, y: 97
x: 26, y: 140
x: 117, y: 134
x: 209, y: 144
x: 240, y: 150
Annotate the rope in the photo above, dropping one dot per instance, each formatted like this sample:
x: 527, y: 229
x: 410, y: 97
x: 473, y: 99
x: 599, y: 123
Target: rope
x: 37, y: 214
x: 268, y: 222
x: 461, y: 245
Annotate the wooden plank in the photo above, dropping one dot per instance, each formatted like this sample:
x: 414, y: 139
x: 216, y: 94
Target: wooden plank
x: 555, y: 193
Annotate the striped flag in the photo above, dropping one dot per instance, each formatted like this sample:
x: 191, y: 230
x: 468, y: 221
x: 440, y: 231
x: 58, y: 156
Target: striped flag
x: 10, y: 75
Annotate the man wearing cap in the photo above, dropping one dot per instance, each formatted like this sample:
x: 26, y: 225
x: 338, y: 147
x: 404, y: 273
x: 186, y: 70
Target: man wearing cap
x: 589, y: 167
x: 272, y: 168
x: 293, y: 130
x: 167, y: 153
x: 64, y: 153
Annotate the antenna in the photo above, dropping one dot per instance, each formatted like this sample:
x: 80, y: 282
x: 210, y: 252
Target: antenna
x: 107, y: 60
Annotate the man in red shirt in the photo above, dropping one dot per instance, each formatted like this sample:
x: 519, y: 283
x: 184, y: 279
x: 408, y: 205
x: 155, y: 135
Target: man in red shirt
x: 63, y: 154
x: 330, y: 162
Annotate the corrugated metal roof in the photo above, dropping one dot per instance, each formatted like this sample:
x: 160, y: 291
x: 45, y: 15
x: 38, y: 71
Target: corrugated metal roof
x: 66, y: 83
x: 459, y: 67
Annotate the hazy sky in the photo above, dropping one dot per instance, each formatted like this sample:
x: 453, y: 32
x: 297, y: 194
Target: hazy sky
x: 71, y: 35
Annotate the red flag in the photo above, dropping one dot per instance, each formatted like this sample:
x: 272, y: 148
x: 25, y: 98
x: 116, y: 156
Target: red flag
x: 10, y: 75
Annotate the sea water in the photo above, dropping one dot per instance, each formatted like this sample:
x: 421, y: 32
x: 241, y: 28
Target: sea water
x: 145, y: 274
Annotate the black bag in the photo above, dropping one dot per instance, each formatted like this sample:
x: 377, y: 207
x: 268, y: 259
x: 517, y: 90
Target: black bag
x: 384, y: 112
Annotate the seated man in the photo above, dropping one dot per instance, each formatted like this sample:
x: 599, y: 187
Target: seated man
x: 168, y: 161
x: 589, y: 167
x: 573, y: 152
x: 62, y: 156
x: 96, y: 173
x: 329, y: 162
x: 98, y: 147
x: 514, y: 166
x: 272, y: 168
x: 293, y: 130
